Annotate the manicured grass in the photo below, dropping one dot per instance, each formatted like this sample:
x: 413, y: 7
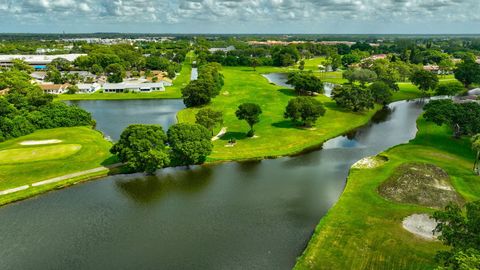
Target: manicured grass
x: 363, y: 230
x: 170, y: 92
x: 37, y: 153
x: 276, y: 135
x: 51, y: 160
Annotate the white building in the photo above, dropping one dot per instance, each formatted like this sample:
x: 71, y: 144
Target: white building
x: 37, y: 61
x: 88, y: 88
x: 225, y: 50
x: 134, y: 87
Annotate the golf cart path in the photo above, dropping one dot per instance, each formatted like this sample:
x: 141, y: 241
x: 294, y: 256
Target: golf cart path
x: 59, y: 178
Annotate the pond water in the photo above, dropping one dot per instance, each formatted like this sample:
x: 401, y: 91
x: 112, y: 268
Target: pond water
x: 281, y: 79
x: 251, y: 215
x: 113, y: 116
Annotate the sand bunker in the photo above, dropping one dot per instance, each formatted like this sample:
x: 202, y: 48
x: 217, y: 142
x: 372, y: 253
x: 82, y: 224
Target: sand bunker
x: 370, y: 162
x: 40, y: 142
x: 422, y: 184
x: 421, y: 225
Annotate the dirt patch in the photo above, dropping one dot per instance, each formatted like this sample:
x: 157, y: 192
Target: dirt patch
x: 370, y: 162
x: 422, y: 184
x: 43, y: 142
x: 421, y: 225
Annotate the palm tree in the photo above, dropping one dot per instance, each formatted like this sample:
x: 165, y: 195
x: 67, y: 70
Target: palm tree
x: 476, y: 148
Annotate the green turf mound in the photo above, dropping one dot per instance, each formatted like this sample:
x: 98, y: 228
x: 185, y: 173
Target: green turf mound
x: 422, y: 184
x: 39, y: 153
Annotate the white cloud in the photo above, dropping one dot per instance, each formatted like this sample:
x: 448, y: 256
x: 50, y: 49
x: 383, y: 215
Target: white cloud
x: 231, y: 11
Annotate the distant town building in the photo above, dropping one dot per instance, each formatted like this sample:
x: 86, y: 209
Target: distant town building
x: 39, y: 62
x: 225, y: 50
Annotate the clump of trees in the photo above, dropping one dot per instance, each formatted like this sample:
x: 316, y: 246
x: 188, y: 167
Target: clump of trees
x: 208, y: 85
x: 381, y: 92
x: 209, y: 118
x: 305, y: 83
x: 304, y: 110
x: 468, y: 72
x: 26, y: 108
x: 142, y: 148
x: 424, y: 80
x: 460, y: 230
x: 449, y: 88
x: 463, y: 118
x: 250, y: 112
x: 146, y: 148
x: 189, y: 143
x: 353, y: 97
x: 360, y: 75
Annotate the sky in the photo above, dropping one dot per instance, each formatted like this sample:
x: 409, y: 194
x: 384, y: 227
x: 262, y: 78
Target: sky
x: 242, y: 16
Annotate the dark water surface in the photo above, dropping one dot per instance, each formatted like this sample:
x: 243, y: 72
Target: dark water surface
x: 113, y: 116
x: 253, y: 215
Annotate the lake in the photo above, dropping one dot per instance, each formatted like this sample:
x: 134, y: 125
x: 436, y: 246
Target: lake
x: 113, y: 116
x: 248, y: 215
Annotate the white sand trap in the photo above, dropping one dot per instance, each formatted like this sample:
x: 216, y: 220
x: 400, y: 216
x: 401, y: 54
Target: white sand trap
x: 40, y: 142
x: 368, y: 163
x: 421, y: 225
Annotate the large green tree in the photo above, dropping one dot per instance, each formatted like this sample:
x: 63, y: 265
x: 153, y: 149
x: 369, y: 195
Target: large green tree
x: 381, y: 92
x: 449, y: 88
x: 424, y: 80
x: 305, y: 83
x: 250, y: 112
x: 468, y: 72
x: 463, y: 118
x: 198, y: 92
x: 353, y: 97
x: 190, y: 143
x: 305, y: 110
x: 360, y: 75
x: 209, y: 118
x: 115, y: 73
x: 460, y: 230
x: 142, y: 148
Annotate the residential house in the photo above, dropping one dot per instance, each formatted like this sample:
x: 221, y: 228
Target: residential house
x: 134, y: 87
x: 88, y: 88
x: 55, y: 89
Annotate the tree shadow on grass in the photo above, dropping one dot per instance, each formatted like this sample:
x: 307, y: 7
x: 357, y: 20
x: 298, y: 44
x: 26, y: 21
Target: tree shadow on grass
x: 234, y: 135
x: 287, y: 124
x: 288, y: 92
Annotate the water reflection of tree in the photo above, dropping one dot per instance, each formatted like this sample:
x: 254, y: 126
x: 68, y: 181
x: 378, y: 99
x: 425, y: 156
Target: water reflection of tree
x: 148, y: 189
x: 383, y: 115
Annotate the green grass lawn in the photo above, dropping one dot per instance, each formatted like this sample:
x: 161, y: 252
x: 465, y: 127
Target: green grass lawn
x: 170, y: 92
x: 37, y: 153
x: 81, y: 149
x: 363, y: 230
x: 276, y: 135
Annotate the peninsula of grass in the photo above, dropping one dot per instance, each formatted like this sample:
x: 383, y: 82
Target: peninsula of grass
x: 364, y: 230
x: 276, y: 136
x: 171, y: 92
x: 77, y: 149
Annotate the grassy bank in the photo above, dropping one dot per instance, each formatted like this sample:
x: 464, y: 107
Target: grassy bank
x: 364, y: 231
x: 170, y: 92
x: 276, y: 135
x: 80, y: 149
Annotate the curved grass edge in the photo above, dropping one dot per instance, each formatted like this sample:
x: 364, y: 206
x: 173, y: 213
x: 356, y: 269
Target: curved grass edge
x: 363, y: 230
